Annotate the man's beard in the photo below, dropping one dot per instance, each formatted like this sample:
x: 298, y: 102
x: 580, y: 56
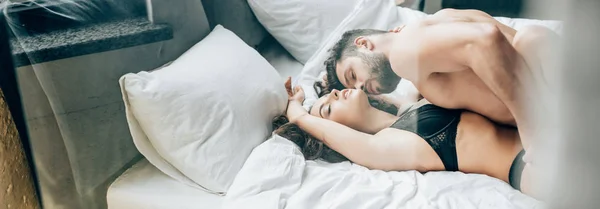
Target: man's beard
x: 382, y: 73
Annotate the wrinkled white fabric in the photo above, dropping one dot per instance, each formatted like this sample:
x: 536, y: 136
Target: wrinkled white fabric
x: 277, y: 176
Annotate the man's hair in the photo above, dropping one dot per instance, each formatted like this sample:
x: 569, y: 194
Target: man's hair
x: 342, y: 49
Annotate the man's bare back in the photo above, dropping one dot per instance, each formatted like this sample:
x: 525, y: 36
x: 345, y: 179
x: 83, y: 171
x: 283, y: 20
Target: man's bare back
x: 443, y: 75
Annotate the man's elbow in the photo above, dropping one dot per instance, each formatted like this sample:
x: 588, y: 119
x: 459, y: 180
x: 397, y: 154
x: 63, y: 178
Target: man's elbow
x: 490, y: 35
x: 487, y: 37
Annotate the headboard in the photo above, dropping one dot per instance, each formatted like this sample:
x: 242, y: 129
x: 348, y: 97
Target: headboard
x: 236, y: 16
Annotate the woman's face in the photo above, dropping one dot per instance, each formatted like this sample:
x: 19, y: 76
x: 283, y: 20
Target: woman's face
x: 345, y: 107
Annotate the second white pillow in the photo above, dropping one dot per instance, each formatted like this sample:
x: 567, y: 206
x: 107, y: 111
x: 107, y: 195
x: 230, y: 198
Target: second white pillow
x: 300, y: 26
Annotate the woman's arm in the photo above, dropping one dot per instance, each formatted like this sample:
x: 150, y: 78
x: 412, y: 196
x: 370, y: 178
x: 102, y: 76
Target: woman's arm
x: 377, y: 151
x: 388, y: 150
x: 382, y: 151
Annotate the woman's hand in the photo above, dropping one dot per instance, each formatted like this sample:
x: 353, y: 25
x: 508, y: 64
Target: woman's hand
x: 295, y: 98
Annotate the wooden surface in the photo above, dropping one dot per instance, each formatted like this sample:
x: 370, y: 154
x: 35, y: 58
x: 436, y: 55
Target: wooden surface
x: 16, y: 187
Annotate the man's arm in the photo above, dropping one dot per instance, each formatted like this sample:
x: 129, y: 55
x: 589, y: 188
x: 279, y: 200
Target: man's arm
x: 483, y: 48
x: 498, y: 64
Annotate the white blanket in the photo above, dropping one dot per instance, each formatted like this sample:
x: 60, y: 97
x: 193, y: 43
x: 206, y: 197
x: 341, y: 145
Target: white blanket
x: 276, y: 175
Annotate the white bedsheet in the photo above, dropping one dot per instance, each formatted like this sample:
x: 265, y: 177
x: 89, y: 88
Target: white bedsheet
x: 143, y: 186
x: 277, y: 176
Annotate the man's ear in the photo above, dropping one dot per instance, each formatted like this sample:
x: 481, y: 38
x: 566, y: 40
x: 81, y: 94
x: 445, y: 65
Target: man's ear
x: 364, y: 42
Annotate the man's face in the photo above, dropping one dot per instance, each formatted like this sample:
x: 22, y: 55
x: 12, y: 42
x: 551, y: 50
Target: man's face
x: 370, y: 72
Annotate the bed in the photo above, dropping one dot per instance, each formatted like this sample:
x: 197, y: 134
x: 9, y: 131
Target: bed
x: 275, y: 175
x: 143, y: 186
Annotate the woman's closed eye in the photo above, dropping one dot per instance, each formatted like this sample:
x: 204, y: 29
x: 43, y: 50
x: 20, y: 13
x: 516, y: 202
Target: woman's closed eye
x: 325, y: 110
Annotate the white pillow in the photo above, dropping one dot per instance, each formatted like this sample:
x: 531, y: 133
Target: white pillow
x: 300, y: 26
x: 518, y: 23
x: 199, y: 118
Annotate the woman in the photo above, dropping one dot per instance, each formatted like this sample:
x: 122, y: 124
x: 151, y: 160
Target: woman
x: 424, y: 137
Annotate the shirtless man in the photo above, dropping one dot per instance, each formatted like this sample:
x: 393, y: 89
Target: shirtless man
x: 453, y: 57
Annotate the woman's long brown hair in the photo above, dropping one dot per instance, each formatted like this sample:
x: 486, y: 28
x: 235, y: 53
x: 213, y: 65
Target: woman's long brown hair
x: 311, y: 147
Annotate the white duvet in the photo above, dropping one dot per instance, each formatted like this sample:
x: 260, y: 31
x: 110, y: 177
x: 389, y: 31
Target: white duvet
x: 276, y: 175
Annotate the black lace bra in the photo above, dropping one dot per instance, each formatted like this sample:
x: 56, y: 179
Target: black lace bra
x: 438, y: 127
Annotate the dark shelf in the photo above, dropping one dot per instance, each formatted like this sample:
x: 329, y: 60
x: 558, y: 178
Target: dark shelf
x: 40, y: 16
x: 72, y: 42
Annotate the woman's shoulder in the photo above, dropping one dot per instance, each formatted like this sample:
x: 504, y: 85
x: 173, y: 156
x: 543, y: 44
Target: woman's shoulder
x: 422, y: 103
x: 412, y: 107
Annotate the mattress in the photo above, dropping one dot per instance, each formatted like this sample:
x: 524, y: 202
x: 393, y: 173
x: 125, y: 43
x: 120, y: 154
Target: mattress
x: 143, y: 186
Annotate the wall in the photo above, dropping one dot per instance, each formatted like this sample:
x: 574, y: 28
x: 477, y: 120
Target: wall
x: 75, y: 113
